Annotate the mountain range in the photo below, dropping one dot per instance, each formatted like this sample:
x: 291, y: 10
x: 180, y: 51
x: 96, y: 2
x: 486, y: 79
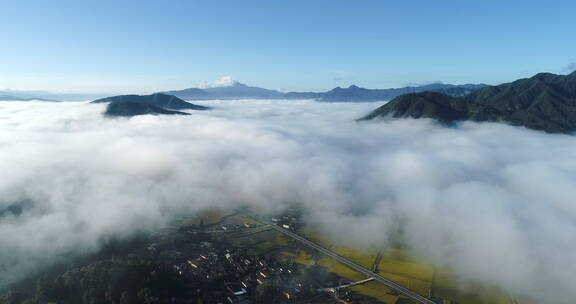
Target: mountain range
x: 357, y: 94
x: 4, y: 97
x: 544, y: 102
x: 17, y: 95
x: 237, y: 90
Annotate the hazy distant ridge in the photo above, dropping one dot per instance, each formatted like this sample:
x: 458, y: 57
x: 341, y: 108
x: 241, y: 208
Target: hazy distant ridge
x: 353, y: 93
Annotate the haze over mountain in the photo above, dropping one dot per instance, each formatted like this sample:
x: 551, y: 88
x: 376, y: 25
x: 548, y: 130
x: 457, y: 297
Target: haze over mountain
x: 544, y: 102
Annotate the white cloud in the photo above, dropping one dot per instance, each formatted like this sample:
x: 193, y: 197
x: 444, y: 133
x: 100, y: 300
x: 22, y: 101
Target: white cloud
x: 225, y: 81
x: 493, y: 201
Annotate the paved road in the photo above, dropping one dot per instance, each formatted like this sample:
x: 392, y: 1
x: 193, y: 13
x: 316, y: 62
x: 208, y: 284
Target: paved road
x: 407, y: 292
x: 351, y: 284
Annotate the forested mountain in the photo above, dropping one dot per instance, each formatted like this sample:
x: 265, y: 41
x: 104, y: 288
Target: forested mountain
x: 544, y: 102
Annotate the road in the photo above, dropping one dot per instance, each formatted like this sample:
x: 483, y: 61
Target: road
x: 348, y: 285
x: 393, y: 285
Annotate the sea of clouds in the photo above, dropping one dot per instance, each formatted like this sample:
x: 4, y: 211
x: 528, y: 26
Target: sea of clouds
x: 495, y: 202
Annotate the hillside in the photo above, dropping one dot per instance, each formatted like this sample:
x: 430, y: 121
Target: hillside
x: 158, y: 100
x: 128, y: 109
x: 544, y: 102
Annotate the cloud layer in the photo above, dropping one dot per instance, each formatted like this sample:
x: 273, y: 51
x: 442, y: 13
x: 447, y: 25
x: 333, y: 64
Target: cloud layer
x: 493, y: 201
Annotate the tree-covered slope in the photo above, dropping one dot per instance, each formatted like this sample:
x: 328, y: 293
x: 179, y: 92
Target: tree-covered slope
x: 158, y: 100
x: 128, y: 109
x: 544, y: 102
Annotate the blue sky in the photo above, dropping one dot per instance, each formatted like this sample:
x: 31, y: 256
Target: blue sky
x: 145, y: 46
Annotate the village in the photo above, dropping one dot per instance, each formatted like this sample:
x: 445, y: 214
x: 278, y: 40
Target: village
x: 218, y: 271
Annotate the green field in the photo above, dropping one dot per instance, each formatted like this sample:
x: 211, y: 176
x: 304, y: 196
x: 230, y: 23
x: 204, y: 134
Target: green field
x: 364, y: 258
x: 300, y: 257
x: 205, y: 218
x: 445, y: 286
x: 396, y: 264
x: 376, y: 291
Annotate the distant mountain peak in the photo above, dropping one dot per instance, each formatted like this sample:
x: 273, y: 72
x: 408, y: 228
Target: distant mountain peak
x: 353, y: 87
x: 226, y: 88
x: 238, y: 84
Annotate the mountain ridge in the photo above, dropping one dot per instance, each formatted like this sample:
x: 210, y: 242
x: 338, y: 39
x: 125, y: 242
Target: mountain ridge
x: 28, y: 95
x: 357, y: 94
x: 545, y: 102
x: 352, y: 93
x: 234, y: 90
x: 16, y: 98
